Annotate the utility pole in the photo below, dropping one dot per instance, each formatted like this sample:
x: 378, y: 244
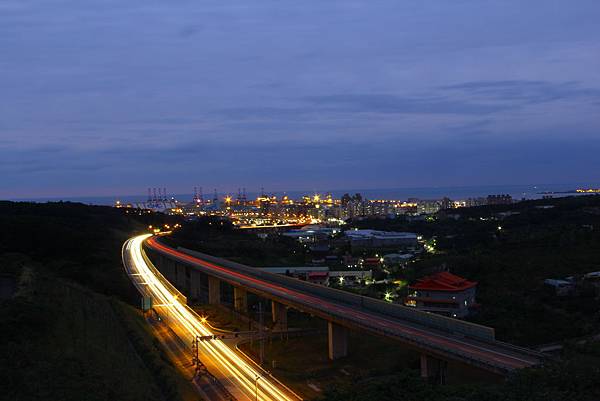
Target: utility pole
x: 200, y: 369
x: 260, y: 333
x: 195, y: 354
x: 256, y: 386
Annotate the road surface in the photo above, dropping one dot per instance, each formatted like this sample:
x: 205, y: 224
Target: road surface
x: 244, y: 381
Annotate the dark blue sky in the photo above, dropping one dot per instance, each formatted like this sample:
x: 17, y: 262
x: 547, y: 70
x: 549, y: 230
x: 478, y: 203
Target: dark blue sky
x: 106, y: 97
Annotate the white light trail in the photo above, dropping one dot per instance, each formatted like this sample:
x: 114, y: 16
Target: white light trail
x: 185, y: 319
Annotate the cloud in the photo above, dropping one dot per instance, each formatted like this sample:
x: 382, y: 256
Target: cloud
x: 287, y: 165
x: 386, y: 103
x: 267, y: 113
x: 269, y: 92
x: 524, y: 91
x: 364, y: 103
x: 47, y: 159
x: 190, y: 30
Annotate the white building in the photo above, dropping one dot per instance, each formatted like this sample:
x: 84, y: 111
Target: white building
x: 380, y: 239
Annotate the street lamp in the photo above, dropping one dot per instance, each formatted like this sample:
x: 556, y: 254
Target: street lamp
x: 256, y: 386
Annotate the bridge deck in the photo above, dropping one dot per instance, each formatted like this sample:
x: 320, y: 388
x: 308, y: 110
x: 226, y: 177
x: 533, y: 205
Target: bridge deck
x: 437, y: 335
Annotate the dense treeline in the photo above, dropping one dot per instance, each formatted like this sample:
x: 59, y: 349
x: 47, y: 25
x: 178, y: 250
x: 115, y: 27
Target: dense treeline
x: 218, y: 237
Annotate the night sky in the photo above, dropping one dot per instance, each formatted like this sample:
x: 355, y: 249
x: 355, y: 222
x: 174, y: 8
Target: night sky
x: 111, y: 97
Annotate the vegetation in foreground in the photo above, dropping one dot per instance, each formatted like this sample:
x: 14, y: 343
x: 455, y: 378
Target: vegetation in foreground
x: 573, y: 379
x: 66, y: 332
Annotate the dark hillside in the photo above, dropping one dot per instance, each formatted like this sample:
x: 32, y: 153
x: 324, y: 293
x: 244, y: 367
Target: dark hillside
x: 66, y: 331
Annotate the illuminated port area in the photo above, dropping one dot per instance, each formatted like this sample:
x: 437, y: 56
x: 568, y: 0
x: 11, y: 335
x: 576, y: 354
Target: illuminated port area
x: 274, y: 210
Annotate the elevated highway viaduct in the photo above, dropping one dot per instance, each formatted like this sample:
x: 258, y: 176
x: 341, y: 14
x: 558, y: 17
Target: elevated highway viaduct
x: 438, y: 338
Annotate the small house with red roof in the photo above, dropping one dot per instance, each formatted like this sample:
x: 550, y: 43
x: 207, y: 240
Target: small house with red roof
x: 443, y: 293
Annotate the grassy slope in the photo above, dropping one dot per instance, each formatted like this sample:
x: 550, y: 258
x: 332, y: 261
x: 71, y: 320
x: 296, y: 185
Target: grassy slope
x: 66, y: 342
x: 66, y: 335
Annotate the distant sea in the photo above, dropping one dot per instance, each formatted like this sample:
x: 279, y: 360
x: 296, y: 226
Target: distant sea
x: 518, y: 192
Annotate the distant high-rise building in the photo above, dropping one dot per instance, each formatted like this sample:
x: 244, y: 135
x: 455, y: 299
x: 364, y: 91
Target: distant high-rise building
x: 429, y: 206
x: 446, y: 203
x: 471, y: 202
x: 502, y: 199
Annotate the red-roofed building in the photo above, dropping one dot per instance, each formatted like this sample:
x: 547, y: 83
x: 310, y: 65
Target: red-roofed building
x: 372, y: 262
x: 444, y: 293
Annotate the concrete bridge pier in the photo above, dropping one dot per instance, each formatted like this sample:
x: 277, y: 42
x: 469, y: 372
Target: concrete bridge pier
x: 240, y: 300
x: 195, y: 286
x: 214, y: 290
x: 338, y: 341
x: 279, y: 315
x: 433, y: 369
x: 180, y: 282
x: 164, y: 266
x: 171, y: 268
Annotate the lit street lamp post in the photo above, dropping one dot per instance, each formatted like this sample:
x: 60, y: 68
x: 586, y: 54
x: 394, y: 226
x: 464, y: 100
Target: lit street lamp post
x: 256, y: 386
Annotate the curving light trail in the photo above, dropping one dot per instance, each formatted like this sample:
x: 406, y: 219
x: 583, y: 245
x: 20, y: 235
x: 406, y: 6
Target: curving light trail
x: 250, y: 381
